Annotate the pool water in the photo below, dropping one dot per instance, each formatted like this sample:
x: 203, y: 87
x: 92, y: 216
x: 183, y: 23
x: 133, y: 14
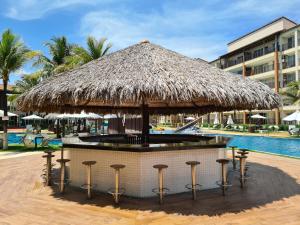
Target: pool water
x: 16, y: 138
x: 281, y: 146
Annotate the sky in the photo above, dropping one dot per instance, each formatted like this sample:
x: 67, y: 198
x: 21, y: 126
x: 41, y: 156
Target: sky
x: 196, y: 28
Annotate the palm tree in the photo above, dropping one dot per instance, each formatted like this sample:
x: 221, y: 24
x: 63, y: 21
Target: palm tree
x: 59, y: 49
x: 95, y: 49
x: 13, y: 55
x: 291, y: 95
x: 27, y: 82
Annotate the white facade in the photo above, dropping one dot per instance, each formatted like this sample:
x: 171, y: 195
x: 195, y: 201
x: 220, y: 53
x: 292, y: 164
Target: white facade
x: 256, y: 53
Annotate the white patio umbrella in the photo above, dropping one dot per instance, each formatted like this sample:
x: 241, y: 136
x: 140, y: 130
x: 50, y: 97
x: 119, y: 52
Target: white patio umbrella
x: 32, y: 117
x: 216, y: 120
x: 190, y: 118
x: 257, y: 116
x: 52, y: 116
x: 81, y: 115
x: 8, y: 113
x: 230, y: 120
x: 110, y: 116
x: 93, y: 116
x: 293, y: 117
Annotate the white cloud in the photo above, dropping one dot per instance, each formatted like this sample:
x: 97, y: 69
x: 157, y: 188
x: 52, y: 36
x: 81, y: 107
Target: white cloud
x: 196, y: 29
x: 34, y: 9
x: 125, y: 28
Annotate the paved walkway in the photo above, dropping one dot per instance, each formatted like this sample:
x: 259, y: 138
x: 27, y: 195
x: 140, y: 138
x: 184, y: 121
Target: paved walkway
x: 272, y: 197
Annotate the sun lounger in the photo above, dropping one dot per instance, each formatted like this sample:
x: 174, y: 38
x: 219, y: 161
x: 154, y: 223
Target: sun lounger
x: 294, y: 132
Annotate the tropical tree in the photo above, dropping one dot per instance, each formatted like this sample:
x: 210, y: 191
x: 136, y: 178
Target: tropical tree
x: 26, y: 83
x: 59, y: 49
x: 95, y: 49
x: 291, y: 95
x: 13, y: 55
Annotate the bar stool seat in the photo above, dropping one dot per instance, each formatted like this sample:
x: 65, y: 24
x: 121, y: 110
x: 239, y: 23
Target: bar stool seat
x: 223, y: 183
x: 117, y: 166
x: 89, y: 163
x: 193, y: 186
x: 243, y: 152
x: 160, y: 166
x: 63, y: 160
x: 223, y: 161
x: 48, y: 156
x: 191, y: 163
x: 117, y: 191
x: 244, y: 149
x: 89, y: 185
x: 161, y: 190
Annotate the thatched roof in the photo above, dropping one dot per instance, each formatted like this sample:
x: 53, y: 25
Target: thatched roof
x: 165, y: 80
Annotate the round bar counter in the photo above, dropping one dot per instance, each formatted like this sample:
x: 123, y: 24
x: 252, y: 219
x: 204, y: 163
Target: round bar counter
x: 138, y: 177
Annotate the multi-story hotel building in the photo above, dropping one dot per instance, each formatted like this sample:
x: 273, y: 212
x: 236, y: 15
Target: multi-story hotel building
x: 269, y: 54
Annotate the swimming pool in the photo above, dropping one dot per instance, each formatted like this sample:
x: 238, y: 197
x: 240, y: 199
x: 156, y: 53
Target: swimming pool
x: 16, y: 138
x: 280, y: 146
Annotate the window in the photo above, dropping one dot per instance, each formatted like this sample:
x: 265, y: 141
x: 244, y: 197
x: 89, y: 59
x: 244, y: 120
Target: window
x: 290, y: 42
x: 288, y: 78
x: 263, y: 68
x: 269, y: 82
x: 258, y: 53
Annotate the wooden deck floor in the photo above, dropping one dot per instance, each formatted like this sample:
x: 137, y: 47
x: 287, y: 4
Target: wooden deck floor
x: 272, y: 197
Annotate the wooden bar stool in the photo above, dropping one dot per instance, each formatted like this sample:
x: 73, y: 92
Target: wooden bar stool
x: 48, y: 171
x: 242, y: 159
x: 223, y: 183
x: 116, y: 192
x: 233, y: 156
x: 244, y: 152
x: 161, y: 190
x: 88, y: 184
x: 63, y: 181
x: 193, y: 186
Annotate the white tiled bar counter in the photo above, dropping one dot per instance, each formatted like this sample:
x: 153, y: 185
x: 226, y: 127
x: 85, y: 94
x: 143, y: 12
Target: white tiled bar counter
x: 139, y: 177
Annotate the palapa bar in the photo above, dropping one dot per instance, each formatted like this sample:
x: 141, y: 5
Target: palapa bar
x: 147, y: 79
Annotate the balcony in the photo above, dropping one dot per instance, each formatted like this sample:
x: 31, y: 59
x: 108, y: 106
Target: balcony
x: 262, y: 69
x: 248, y: 56
x: 287, y: 46
x: 288, y: 64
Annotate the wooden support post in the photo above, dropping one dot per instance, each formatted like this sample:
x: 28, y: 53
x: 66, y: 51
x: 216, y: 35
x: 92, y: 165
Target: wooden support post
x: 244, y: 117
x: 145, y: 122
x: 276, y: 79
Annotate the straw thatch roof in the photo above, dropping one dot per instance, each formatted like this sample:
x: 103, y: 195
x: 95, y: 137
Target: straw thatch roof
x: 165, y: 80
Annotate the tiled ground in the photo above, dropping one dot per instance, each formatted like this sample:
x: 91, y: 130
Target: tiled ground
x: 272, y: 197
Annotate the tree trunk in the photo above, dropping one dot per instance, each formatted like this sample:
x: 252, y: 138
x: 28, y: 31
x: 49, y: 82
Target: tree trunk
x: 5, y: 121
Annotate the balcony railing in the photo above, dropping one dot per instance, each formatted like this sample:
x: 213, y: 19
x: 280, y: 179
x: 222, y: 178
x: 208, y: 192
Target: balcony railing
x: 248, y: 57
x: 288, y: 65
x: 263, y: 69
x: 287, y: 46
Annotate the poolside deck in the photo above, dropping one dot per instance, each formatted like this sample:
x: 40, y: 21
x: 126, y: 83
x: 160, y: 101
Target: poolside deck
x: 271, y: 198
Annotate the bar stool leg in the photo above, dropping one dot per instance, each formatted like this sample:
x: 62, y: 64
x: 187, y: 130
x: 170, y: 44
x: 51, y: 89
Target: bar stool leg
x: 89, y: 181
x: 242, y: 172
x: 233, y: 158
x: 161, y: 185
x: 62, y: 177
x: 48, y: 175
x: 193, y: 174
x: 224, y: 178
x: 117, y: 184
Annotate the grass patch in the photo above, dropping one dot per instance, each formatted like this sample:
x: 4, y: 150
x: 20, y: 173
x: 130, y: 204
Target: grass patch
x: 22, y: 148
